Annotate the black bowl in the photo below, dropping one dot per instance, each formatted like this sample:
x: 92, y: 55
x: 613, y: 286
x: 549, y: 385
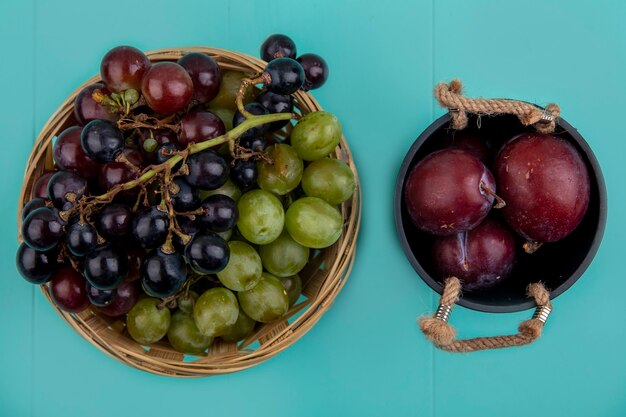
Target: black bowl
x: 558, y: 265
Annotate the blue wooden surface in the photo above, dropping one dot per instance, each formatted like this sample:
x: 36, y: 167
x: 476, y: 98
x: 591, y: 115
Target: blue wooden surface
x: 366, y: 356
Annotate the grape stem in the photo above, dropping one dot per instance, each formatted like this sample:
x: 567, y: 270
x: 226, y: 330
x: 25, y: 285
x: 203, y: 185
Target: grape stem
x: 245, y: 84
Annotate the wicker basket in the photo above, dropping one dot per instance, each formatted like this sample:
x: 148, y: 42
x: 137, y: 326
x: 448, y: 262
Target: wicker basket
x: 323, y: 277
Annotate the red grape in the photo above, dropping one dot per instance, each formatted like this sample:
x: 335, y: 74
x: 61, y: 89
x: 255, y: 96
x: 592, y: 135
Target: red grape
x: 40, y: 188
x: 43, y: 229
x: 278, y: 46
x: 67, y: 289
x: 167, y: 87
x: 126, y: 295
x: 445, y: 192
x: 205, y: 75
x: 65, y: 188
x: 545, y: 184
x: 199, y: 126
x: 124, y: 67
x: 70, y: 156
x: 115, y: 173
x: 87, y: 109
x: 315, y: 71
x: 480, y: 257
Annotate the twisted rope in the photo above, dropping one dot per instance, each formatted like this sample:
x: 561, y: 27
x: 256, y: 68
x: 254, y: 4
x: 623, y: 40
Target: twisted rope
x: 443, y: 335
x: 451, y: 97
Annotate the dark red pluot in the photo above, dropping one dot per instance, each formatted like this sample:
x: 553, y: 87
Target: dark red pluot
x: 167, y: 87
x: 199, y: 126
x: 67, y: 289
x: 445, y: 192
x: 40, y: 188
x: 480, y: 257
x: 87, y: 109
x: 70, y: 156
x: 545, y: 184
x: 126, y: 296
x: 205, y: 75
x: 472, y: 143
x: 124, y: 67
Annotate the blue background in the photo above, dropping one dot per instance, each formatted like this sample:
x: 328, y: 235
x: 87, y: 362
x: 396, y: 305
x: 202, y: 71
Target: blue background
x: 366, y: 356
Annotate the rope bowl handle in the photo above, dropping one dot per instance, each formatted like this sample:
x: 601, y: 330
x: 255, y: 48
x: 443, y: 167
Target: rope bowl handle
x: 443, y: 335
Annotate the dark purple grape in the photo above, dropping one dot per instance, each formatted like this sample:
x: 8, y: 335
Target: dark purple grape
x: 276, y: 103
x: 278, y: 46
x: 124, y: 67
x: 150, y: 227
x: 165, y: 152
x: 98, y: 297
x: 70, y: 156
x: 36, y: 266
x: 315, y: 71
x: 87, y: 109
x: 126, y: 296
x: 135, y: 260
x: 187, y: 226
x: 219, y: 213
x: 286, y: 76
x: 163, y: 274
x: 207, y: 253
x: 207, y: 170
x: 40, y: 188
x: 244, y: 174
x: 106, y: 266
x: 43, y: 229
x: 198, y: 126
x: 256, y: 144
x: 256, y: 109
x: 81, y: 238
x: 205, y: 75
x: 187, y: 198
x: 67, y: 290
x: 101, y: 140
x: 66, y: 188
x: 114, y: 220
x: 167, y: 87
x: 32, y: 205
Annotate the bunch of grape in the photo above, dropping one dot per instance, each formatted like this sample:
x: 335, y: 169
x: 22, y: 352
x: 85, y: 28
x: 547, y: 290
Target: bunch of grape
x: 174, y: 203
x: 543, y: 195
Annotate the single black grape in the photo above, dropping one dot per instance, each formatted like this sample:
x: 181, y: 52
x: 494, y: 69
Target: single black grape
x: 163, y: 274
x: 219, y: 213
x: 81, y: 238
x: 114, y: 220
x: 244, y: 174
x: 315, y: 71
x: 278, y: 46
x: 33, y: 204
x: 43, y: 229
x: 256, y: 144
x: 256, y: 109
x: 106, y: 266
x: 286, y: 75
x: 165, y: 151
x: 101, y: 140
x: 207, y: 253
x: 150, y: 227
x: 276, y: 103
x: 36, y: 266
x: 98, y: 297
x: 207, y: 170
x: 186, y: 198
x: 65, y: 188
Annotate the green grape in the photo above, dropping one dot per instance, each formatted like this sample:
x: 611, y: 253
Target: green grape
x: 238, y: 331
x: 225, y: 115
x: 146, y: 322
x: 285, y: 171
x: 261, y: 217
x: 330, y: 179
x: 316, y: 135
x: 225, y: 235
x: 267, y: 301
x: 231, y: 80
x: 186, y: 302
x: 313, y: 223
x: 284, y: 256
x: 244, y: 268
x: 184, y: 335
x: 293, y: 285
x: 215, y: 311
x: 229, y: 189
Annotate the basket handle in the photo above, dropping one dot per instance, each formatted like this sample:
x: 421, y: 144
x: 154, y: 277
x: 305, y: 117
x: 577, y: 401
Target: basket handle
x: 451, y: 97
x: 443, y: 335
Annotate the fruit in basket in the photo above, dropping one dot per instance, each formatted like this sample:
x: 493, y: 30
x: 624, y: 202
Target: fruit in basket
x: 124, y: 67
x: 163, y: 273
x: 244, y: 268
x: 330, y: 179
x: 198, y: 126
x: 293, y: 286
x: 266, y: 301
x: 316, y: 135
x: 315, y: 71
x: 205, y: 75
x: 126, y: 296
x: 278, y: 46
x: 87, y: 109
x: 238, y: 331
x: 284, y: 256
x: 215, y: 311
x: 98, y: 297
x: 81, y: 238
x: 283, y: 172
x: 184, y: 336
x: 207, y: 253
x: 313, y: 223
x: 545, y: 183
x: 147, y: 321
x: 261, y: 216
x: 43, y: 229
x: 36, y: 266
x: 106, y: 266
x: 285, y: 75
x: 167, y: 87
x: 68, y: 290
x: 70, y: 156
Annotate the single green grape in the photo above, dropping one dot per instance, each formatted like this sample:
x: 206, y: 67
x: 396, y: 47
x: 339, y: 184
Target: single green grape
x: 316, y: 135
x: 184, y: 335
x: 229, y: 189
x: 284, y: 256
x: 313, y: 223
x: 244, y: 268
x: 293, y: 285
x: 238, y: 331
x: 330, y: 179
x: 285, y: 171
x: 267, y: 301
x: 231, y: 80
x: 225, y: 114
x: 215, y: 311
x: 146, y: 322
x: 261, y: 217
x: 186, y: 302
